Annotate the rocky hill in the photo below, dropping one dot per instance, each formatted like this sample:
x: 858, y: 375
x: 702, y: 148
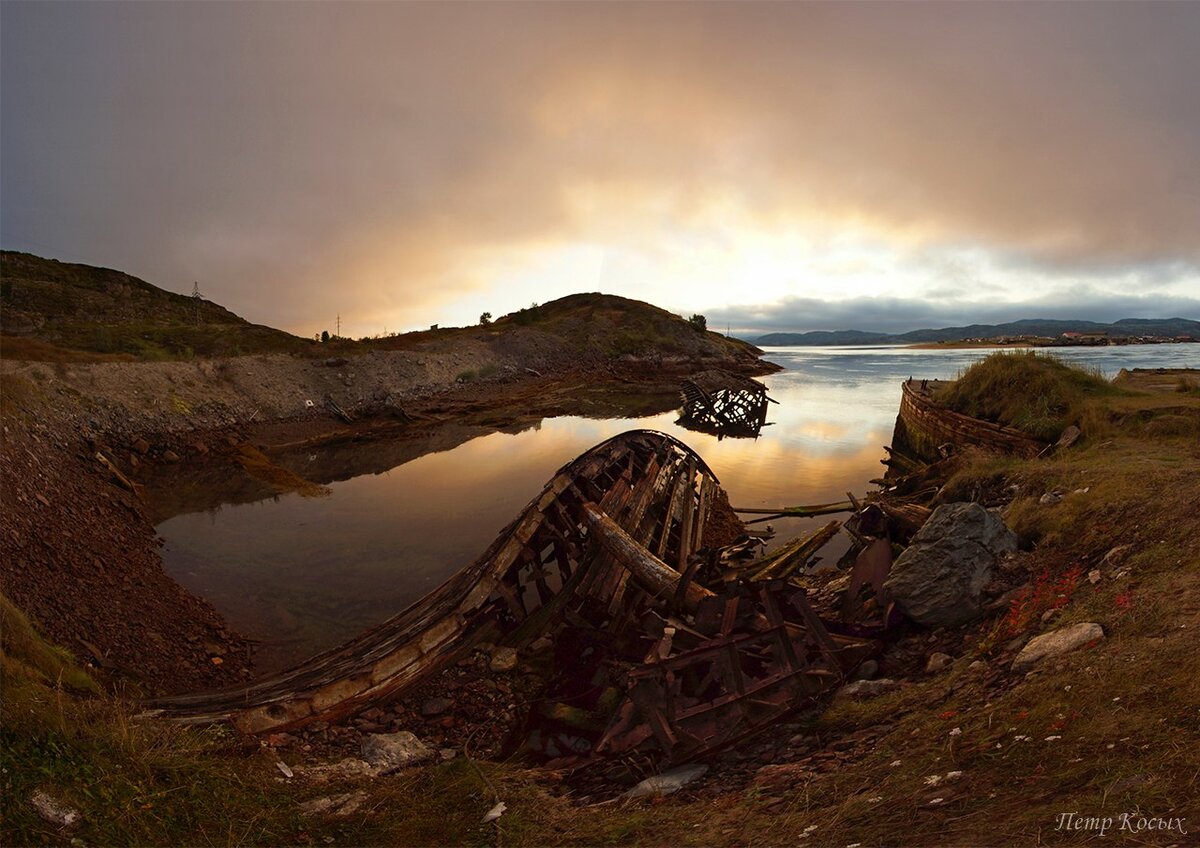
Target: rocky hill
x: 60, y: 311
x: 589, y: 328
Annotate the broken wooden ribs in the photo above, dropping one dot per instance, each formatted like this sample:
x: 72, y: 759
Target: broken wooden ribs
x: 609, y: 553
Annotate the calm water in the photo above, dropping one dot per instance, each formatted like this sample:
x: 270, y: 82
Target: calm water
x: 304, y: 574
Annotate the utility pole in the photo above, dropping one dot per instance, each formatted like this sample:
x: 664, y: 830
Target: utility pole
x: 338, y: 325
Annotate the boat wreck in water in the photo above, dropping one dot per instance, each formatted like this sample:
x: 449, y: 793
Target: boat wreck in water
x: 724, y: 404
x: 616, y: 550
x: 926, y: 432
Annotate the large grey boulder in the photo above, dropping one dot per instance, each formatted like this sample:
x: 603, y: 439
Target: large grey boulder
x: 939, y: 578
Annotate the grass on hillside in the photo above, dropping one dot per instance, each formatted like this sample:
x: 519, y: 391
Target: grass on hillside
x: 39, y: 350
x: 1031, y: 391
x: 53, y: 309
x: 618, y: 326
x: 590, y: 323
x: 65, y: 312
x: 139, y: 781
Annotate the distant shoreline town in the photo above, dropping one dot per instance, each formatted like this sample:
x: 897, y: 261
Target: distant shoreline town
x: 1064, y: 340
x: 1032, y: 332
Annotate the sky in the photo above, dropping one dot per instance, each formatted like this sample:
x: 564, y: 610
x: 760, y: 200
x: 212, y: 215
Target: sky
x: 776, y: 166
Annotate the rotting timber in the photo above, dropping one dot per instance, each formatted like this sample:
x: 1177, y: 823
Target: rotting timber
x: 686, y: 646
x: 724, y: 404
x: 925, y: 431
x: 613, y: 545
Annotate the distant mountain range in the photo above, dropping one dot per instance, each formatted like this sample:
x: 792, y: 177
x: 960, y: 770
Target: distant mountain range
x: 1026, y: 327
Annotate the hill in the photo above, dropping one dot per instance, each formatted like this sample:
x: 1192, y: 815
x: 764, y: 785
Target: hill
x: 586, y: 326
x: 58, y: 311
x: 1044, y: 327
x: 51, y: 305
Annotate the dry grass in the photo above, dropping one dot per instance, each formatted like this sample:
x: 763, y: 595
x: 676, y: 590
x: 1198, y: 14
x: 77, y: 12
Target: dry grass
x: 37, y: 350
x: 1034, y: 392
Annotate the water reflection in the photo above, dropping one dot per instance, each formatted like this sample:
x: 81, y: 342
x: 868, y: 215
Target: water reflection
x: 305, y: 574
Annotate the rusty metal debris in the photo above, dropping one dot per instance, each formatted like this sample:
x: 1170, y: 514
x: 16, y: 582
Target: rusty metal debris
x: 724, y: 404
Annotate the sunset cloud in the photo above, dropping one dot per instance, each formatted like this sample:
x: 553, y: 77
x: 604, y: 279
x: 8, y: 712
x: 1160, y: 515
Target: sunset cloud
x: 405, y: 164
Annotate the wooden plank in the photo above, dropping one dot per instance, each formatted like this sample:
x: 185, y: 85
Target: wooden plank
x: 688, y: 506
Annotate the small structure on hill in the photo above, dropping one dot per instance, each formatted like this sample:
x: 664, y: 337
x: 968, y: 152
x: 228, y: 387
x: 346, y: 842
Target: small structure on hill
x: 724, y: 404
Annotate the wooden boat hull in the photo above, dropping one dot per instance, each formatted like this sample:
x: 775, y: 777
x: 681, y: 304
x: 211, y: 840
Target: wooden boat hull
x: 656, y: 489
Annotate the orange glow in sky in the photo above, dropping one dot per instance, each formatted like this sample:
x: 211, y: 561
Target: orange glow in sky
x: 773, y: 165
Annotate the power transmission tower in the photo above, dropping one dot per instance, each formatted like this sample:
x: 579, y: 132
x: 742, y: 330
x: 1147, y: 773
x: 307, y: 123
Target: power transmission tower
x: 338, y: 326
x: 196, y: 298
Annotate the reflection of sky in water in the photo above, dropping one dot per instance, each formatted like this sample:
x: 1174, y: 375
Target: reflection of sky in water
x: 317, y: 571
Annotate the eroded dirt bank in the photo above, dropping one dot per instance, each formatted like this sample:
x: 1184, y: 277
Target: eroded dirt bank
x: 80, y: 558
x: 80, y: 555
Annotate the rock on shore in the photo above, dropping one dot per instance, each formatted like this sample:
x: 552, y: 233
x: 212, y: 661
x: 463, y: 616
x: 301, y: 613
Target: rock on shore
x: 939, y: 579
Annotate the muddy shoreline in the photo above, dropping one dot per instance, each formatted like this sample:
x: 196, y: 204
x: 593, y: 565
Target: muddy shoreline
x: 79, y: 552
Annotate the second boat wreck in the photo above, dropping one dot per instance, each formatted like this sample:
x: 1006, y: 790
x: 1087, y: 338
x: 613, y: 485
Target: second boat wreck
x: 692, y: 642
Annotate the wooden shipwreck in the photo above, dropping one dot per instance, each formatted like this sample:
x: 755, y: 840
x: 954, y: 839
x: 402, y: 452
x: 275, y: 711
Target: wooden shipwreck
x: 925, y: 431
x: 724, y: 404
x: 614, y: 546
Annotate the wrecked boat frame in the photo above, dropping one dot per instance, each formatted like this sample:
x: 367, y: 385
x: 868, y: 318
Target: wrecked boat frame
x: 614, y: 542
x: 724, y: 404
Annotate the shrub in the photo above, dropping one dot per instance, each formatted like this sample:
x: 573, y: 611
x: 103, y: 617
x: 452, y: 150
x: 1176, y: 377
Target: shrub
x: 1048, y: 591
x: 699, y: 323
x: 524, y: 317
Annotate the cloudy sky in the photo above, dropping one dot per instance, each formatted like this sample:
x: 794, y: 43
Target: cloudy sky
x: 774, y: 166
